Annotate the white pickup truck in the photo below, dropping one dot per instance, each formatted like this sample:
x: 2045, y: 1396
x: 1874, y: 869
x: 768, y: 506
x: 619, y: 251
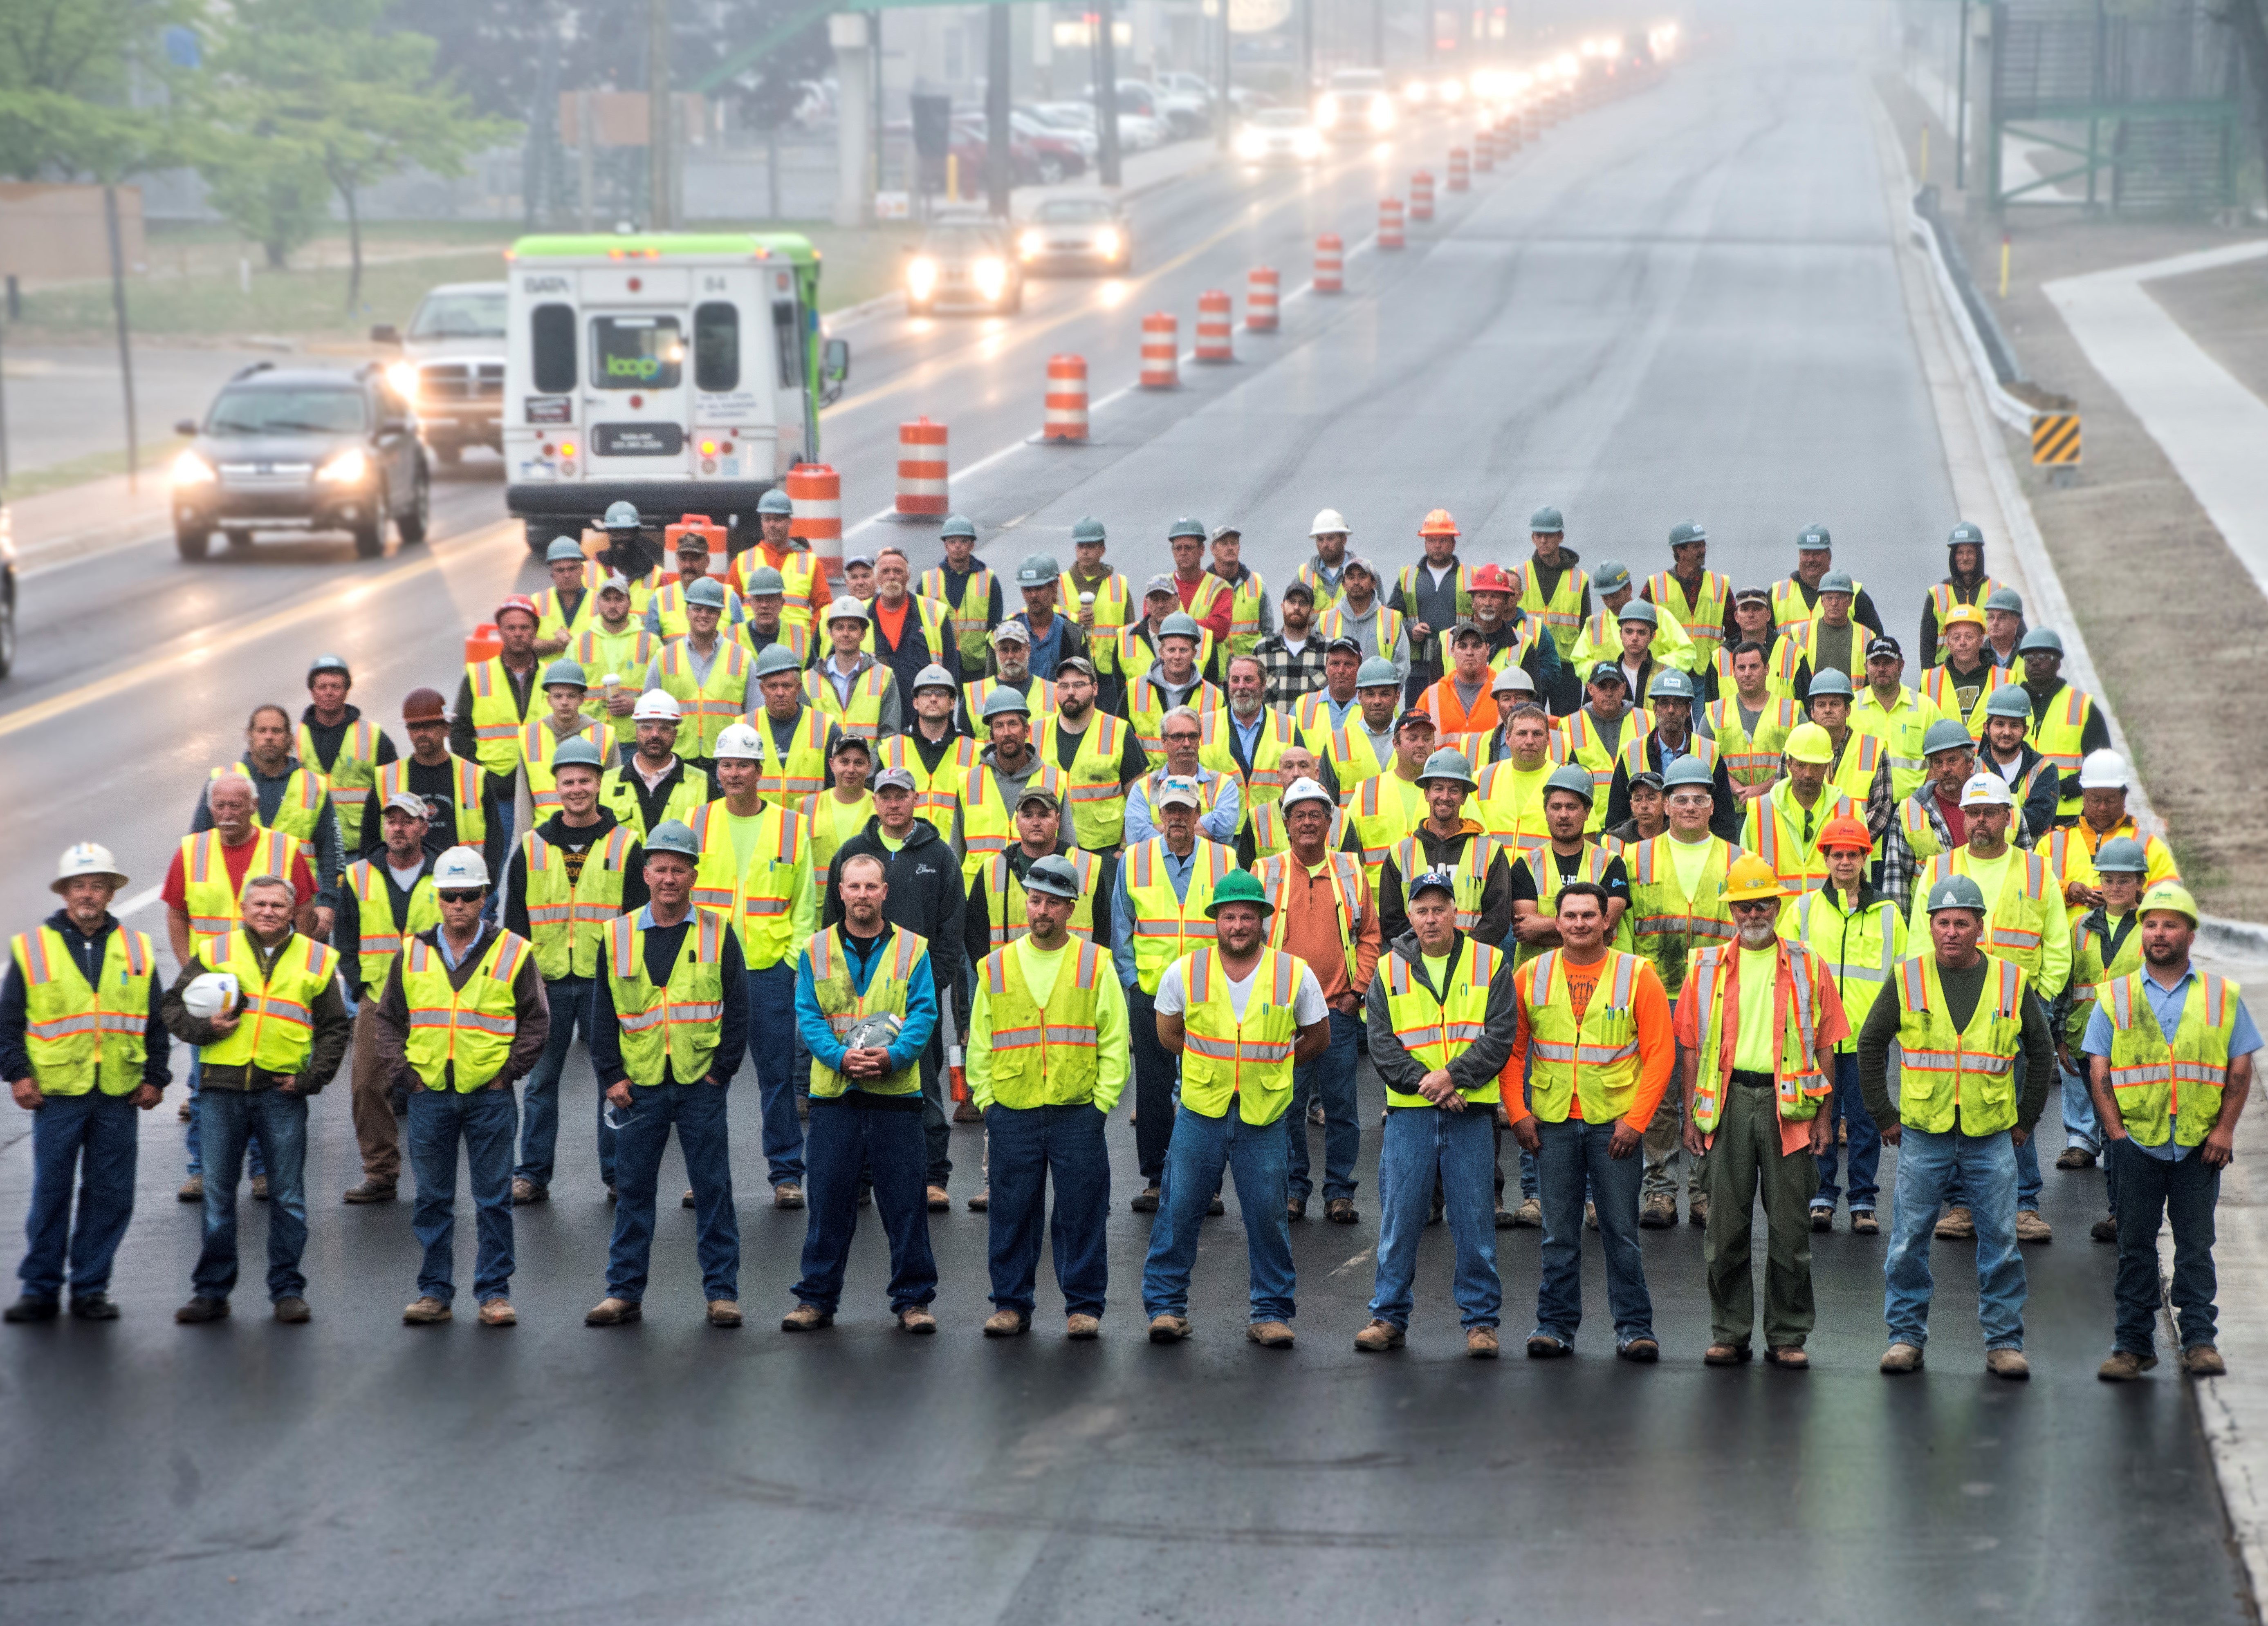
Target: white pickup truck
x: 451, y: 367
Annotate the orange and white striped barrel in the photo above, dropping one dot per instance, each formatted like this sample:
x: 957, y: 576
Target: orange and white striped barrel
x: 1507, y: 135
x: 1390, y: 222
x: 1421, y: 194
x: 1067, y: 410
x: 1330, y: 263
x: 1161, y: 351
x: 1531, y: 124
x: 1214, y: 318
x: 1483, y: 149
x: 1460, y: 170
x: 1260, y: 301
x: 815, y: 491
x: 920, y: 467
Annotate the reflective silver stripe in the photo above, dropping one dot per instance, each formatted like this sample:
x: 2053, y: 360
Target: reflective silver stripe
x: 62, y: 1027
x: 123, y: 1022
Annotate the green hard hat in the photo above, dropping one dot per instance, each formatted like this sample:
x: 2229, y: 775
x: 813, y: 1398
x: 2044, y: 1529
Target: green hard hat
x: 1830, y: 682
x: 2171, y: 895
x: 708, y: 590
x: 1086, y: 528
x: 1687, y: 530
x: 1053, y: 875
x: 1006, y: 702
x: 763, y: 581
x: 1838, y: 581
x: 1965, y: 534
x: 1688, y: 769
x: 956, y: 525
x: 1610, y: 576
x: 567, y: 672
x: 776, y: 658
x: 1451, y: 765
x: 775, y: 501
x: 1038, y: 570
x: 2009, y: 700
x: 563, y: 548
x: 2006, y: 599
x: 1377, y: 673
x: 1669, y: 684
x: 2124, y: 855
x: 673, y: 836
x: 1239, y: 887
x: 1956, y: 892
x: 1546, y: 522
x: 1639, y: 610
x: 1574, y: 780
x: 1181, y: 624
x: 620, y: 517
x: 1946, y: 734
x: 579, y: 754
x: 2041, y: 639
x: 1814, y: 536
x: 1186, y: 526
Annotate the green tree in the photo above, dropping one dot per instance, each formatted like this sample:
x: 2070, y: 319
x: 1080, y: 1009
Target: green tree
x: 67, y: 70
x: 314, y: 87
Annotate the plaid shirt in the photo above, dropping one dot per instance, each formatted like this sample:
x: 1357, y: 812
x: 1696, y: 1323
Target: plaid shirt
x: 1895, y: 877
x: 1290, y: 676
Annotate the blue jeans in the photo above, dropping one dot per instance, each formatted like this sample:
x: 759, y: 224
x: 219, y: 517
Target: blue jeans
x: 2028, y: 1163
x: 484, y: 1120
x: 196, y: 1138
x: 846, y: 1144
x: 1418, y: 1143
x: 771, y: 1013
x: 1029, y: 1146
x: 89, y: 1140
x: 1928, y: 1166
x: 1200, y: 1149
x: 1864, y: 1154
x: 1575, y: 1153
x: 698, y: 1112
x: 570, y: 998
x: 2080, y: 1127
x: 1331, y: 1076
x: 2185, y: 1192
x: 229, y: 1119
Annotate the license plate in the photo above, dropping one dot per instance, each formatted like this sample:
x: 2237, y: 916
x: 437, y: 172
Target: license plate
x: 637, y: 439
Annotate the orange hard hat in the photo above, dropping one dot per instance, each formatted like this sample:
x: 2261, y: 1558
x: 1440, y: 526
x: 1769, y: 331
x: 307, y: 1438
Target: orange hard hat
x: 1437, y: 523
x: 1844, y: 831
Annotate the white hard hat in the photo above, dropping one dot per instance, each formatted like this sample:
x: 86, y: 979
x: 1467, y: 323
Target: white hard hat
x: 1330, y: 521
x: 2102, y: 770
x: 657, y: 706
x: 739, y: 743
x: 86, y: 858
x: 211, y: 995
x: 1306, y: 791
x: 459, y: 867
x: 1986, y: 789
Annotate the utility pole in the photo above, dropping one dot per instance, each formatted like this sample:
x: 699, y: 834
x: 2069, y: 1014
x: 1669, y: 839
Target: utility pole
x: 999, y: 176
x: 659, y: 124
x: 125, y: 348
x: 1106, y: 95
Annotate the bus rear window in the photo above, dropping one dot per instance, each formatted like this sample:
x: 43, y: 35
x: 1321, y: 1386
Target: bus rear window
x: 636, y: 352
x: 552, y: 330
x: 788, y: 340
x: 717, y: 347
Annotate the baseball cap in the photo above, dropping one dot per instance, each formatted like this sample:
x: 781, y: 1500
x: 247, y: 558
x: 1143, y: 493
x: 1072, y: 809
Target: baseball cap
x: 1177, y: 791
x: 893, y: 779
x: 1883, y: 644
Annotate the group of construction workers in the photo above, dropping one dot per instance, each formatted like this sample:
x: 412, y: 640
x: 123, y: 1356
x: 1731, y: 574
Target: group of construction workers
x: 1648, y: 876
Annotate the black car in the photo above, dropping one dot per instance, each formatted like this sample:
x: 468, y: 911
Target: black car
x: 301, y: 449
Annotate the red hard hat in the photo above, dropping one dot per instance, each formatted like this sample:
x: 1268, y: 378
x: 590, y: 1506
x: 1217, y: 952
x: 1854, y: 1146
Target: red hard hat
x: 1492, y: 579
x: 1437, y: 523
x: 519, y: 602
x: 1843, y: 831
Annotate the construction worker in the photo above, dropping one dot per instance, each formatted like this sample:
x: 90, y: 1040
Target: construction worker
x: 1442, y: 1016
x: 1123, y: 660
x: 463, y: 1015
x: 1676, y: 908
x: 1784, y: 825
x: 1757, y: 1027
x: 655, y: 785
x: 290, y: 796
x: 569, y: 875
x: 279, y: 1043
x: 452, y: 787
x: 1513, y: 639
x: 2065, y: 724
x: 1698, y: 599
x: 1555, y: 593
x: 336, y: 742
x: 769, y: 623
x: 859, y: 578
x: 1567, y: 857
x: 866, y: 1006
x: 1446, y: 839
x: 1158, y: 914
x: 799, y: 738
x: 991, y: 790
x: 1669, y: 701
x: 1251, y: 616
x: 1098, y: 755
x: 1795, y: 598
x: 1649, y: 816
x: 931, y: 750
x: 2105, y: 946
x: 904, y: 631
x: 1010, y: 667
x: 666, y: 613
x: 1432, y: 597
x: 629, y: 554
x: 565, y: 609
x: 1050, y: 637
x: 1267, y: 832
x: 1292, y: 657
x: 1048, y: 1059
x: 1205, y: 598
x: 1511, y: 787
x: 1859, y: 936
x: 1861, y: 765
x: 1094, y: 595
x: 779, y: 548
x: 2025, y: 925
x: 1750, y: 726
x: 1176, y: 679
x: 1592, y: 738
x: 1962, y: 1020
x: 1930, y: 822
x: 1965, y: 583
x: 1241, y: 1015
x: 1610, y: 632
x: 382, y: 902
x: 614, y: 646
x: 1323, y: 572
x: 563, y: 722
x: 705, y: 672
x: 1894, y: 714
x: 1244, y: 741
x: 995, y: 915
x: 834, y: 815
x: 2170, y: 1055
x: 494, y: 699
x: 967, y: 589
x: 1387, y: 806
x: 1829, y: 640
x: 1359, y: 744
x: 1597, y: 1026
x: 2104, y: 780
x: 1752, y: 623
x: 2004, y: 629
x: 1357, y: 614
x: 855, y: 692
x: 83, y: 1048
x: 1464, y: 701
x: 2033, y: 778
x: 669, y: 1018
x: 1965, y: 677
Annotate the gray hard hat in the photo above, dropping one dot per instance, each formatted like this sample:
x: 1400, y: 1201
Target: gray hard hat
x: 1956, y: 892
x: 1546, y: 522
x: 1610, y: 576
x: 1377, y: 673
x: 620, y: 517
x: 764, y: 581
x: 569, y: 673
x: 1814, y: 536
x: 775, y: 501
x: 1180, y: 624
x: 1834, y: 681
x: 1687, y: 530
x: 934, y: 676
x: 1449, y: 764
x: 708, y: 590
x: 775, y: 657
x: 1186, y: 526
x: 2123, y: 854
x: 1088, y: 528
x: 673, y: 836
x: 329, y: 663
x: 2009, y: 700
x: 1053, y: 875
x: 1965, y: 533
x: 2042, y: 638
x: 1038, y: 571
x: 1639, y: 610
x: 1837, y: 581
x: 1006, y: 702
x: 2007, y: 601
x: 1946, y: 734
x: 1574, y: 780
x: 579, y: 753
x: 1688, y: 769
x: 1669, y: 684
x: 564, y: 548
x: 956, y: 525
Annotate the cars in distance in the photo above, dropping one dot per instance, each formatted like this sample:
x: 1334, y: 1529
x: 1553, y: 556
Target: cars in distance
x: 301, y: 449
x: 451, y: 367
x: 1356, y: 104
x: 1077, y: 234
x: 965, y: 262
x: 1279, y: 135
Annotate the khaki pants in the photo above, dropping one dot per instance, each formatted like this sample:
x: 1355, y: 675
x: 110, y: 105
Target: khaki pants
x: 376, y: 1133
x: 1665, y: 1143
x: 1745, y: 1159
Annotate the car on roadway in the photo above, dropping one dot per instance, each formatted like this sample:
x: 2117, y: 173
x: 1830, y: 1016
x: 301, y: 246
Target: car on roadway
x: 1136, y: 132
x: 1432, y: 90
x: 1077, y: 234
x: 451, y: 367
x: 1356, y: 104
x: 966, y: 263
x: 7, y: 592
x: 1279, y: 135
x: 301, y: 449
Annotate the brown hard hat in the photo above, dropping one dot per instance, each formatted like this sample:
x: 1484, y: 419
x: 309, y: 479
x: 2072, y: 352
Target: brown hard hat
x: 424, y: 705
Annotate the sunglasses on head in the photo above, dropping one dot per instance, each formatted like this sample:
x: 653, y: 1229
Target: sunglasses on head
x: 460, y: 895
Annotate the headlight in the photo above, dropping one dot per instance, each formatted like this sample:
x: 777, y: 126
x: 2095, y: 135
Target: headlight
x: 1414, y: 91
x: 992, y: 277
x: 1381, y: 113
x: 189, y: 469
x: 921, y: 276
x: 1251, y: 144
x: 1327, y: 112
x: 1307, y: 144
x: 403, y: 375
x: 1030, y: 244
x: 1451, y: 90
x: 1107, y: 243
x: 344, y: 469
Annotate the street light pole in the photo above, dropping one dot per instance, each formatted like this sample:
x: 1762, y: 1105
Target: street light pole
x: 657, y: 115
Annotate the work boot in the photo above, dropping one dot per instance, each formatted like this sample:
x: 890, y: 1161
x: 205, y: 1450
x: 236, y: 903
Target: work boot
x: 967, y: 1112
x: 916, y: 1318
x: 1295, y: 1209
x: 2105, y: 1229
x: 787, y: 1194
x: 94, y: 1308
x: 188, y: 1106
x: 1315, y: 1113
x: 1645, y: 1351
x: 370, y: 1191
x: 2076, y: 1158
x: 1863, y: 1223
x: 1956, y: 1224
x: 499, y: 1313
x: 1270, y: 1335
x: 1006, y: 1324
x: 1544, y: 1346
x: 1787, y: 1358
x: 192, y: 1189
x: 1482, y: 1344
x: 1725, y: 1355
x: 1900, y: 1358
x: 2008, y: 1363
x: 1082, y: 1326
x: 1842, y: 1133
x: 1215, y: 1208
x: 805, y: 1318
x: 612, y: 1312
x: 1529, y: 1215
x: 1168, y: 1329
x: 1696, y: 1208
x: 202, y: 1309
x: 1505, y: 1219
x: 2031, y: 1228
x: 526, y: 1191
x: 1340, y: 1211
x: 687, y: 1203
x: 1590, y: 1215
x: 1145, y: 1201
x: 293, y: 1309
x: 1380, y: 1336
x: 1822, y: 1218
x: 29, y: 1308
x: 1434, y: 1214
x: 982, y: 1203
x: 1659, y: 1212
x: 724, y: 1312
x: 2202, y: 1360
x: 2125, y: 1365
x: 426, y: 1312
x: 939, y: 1203
x: 260, y: 1187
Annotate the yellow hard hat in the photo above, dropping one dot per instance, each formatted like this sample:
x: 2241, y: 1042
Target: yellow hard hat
x: 2171, y: 896
x: 1807, y: 742
x: 1751, y: 879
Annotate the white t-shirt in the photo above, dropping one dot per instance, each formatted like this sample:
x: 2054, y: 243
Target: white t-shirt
x: 1308, y: 1006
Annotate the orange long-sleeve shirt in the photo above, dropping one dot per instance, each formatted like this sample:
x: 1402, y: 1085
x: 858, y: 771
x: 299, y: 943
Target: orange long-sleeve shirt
x: 1657, y: 1042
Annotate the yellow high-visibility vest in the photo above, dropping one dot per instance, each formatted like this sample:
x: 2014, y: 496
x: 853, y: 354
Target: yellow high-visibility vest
x: 470, y: 1028
x: 79, y: 1037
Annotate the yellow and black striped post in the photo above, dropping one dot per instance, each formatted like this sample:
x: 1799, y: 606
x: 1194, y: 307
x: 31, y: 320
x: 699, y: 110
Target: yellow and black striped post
x: 2055, y: 440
